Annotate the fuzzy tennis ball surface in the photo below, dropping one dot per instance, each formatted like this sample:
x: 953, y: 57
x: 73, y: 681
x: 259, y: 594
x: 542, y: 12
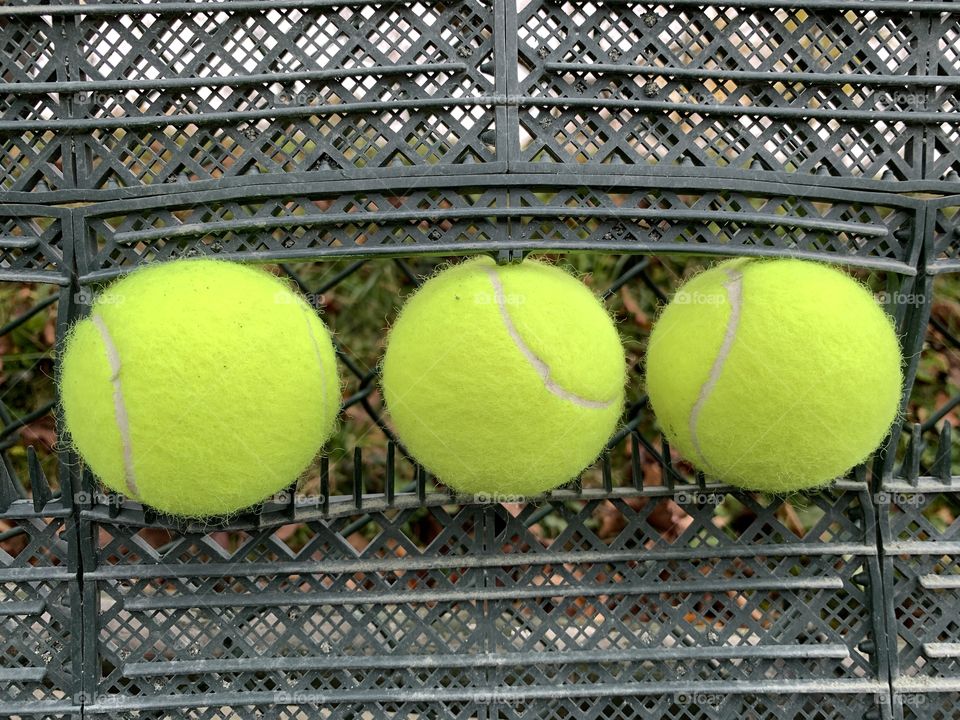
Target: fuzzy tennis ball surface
x: 504, y: 380
x: 199, y: 387
x: 774, y: 375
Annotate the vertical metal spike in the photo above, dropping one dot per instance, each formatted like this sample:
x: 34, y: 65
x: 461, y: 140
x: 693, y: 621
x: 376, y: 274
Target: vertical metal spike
x: 38, y: 481
x: 941, y: 464
x: 8, y: 492
x: 911, y: 461
x: 114, y: 504
x: 325, y: 484
x: 607, y: 472
x: 391, y: 489
x: 636, y: 460
x: 357, y: 478
x: 668, y: 478
x: 421, y: 483
x: 292, y: 501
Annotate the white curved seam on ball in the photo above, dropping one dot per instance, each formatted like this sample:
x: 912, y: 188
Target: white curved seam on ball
x: 319, y: 354
x: 543, y: 370
x: 119, y: 404
x: 734, y: 287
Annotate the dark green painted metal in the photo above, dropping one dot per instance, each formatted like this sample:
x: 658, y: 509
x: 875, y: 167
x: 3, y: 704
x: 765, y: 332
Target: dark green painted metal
x: 822, y: 158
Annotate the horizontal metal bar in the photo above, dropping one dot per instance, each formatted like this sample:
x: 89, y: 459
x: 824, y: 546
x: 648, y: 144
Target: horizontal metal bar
x: 479, y: 694
x: 34, y: 574
x: 919, y: 6
x: 500, y: 659
x: 88, y: 86
x: 470, y: 248
x: 760, y: 76
x: 925, y: 485
x: 412, y: 564
x: 19, y: 241
x: 32, y: 607
x: 30, y: 708
x: 232, y: 117
x: 925, y: 684
x: 475, y: 178
x: 46, y: 276
x: 940, y: 582
x: 178, y: 8
x: 23, y: 509
x: 941, y: 650
x: 939, y: 267
x: 803, y: 182
x: 798, y: 113
x: 263, y: 223
x: 27, y: 674
x: 866, y: 5
x: 523, y: 174
x: 409, y: 597
x: 933, y: 547
x: 465, y: 249
x: 32, y: 209
x: 189, y: 230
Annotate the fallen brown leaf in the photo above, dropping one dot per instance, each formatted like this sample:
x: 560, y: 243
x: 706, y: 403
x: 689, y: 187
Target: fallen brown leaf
x: 633, y: 307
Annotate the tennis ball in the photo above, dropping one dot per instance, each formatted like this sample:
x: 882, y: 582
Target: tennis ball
x: 504, y: 380
x: 199, y: 387
x: 774, y: 375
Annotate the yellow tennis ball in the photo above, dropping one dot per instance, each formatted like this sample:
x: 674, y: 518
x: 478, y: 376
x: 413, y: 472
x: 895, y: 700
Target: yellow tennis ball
x: 774, y: 375
x: 504, y: 380
x: 199, y: 387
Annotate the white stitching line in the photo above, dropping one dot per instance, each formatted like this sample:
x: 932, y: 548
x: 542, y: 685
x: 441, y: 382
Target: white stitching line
x: 734, y: 286
x: 539, y: 365
x: 119, y: 406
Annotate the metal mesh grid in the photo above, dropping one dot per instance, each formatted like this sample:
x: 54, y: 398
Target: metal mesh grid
x: 919, y: 559
x: 30, y: 160
x: 367, y: 219
x: 39, y: 603
x: 279, y: 225
x: 724, y: 87
x: 279, y: 89
x: 31, y: 244
x: 40, y: 653
x: 487, y: 611
x: 945, y: 221
x: 742, y: 89
x: 128, y: 99
x: 41, y: 627
x: 295, y: 131
x: 921, y: 569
